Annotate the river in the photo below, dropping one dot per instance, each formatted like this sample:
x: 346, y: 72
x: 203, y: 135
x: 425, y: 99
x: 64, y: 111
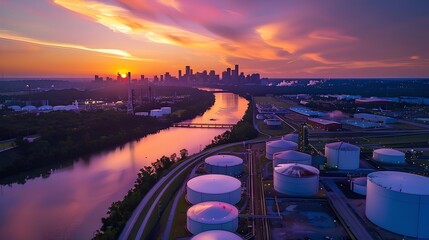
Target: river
x: 70, y: 203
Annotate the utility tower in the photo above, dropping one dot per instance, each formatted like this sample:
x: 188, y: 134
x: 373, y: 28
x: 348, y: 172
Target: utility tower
x: 303, y: 138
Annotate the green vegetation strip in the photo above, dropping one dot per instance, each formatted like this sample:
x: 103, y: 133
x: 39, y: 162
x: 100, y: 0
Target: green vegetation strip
x: 166, y: 197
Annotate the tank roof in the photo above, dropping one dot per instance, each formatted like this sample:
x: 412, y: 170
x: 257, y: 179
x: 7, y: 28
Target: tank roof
x: 223, y: 160
x: 401, y: 182
x: 390, y: 152
x: 216, y: 235
x: 342, y: 146
x: 292, y: 154
x: 281, y: 143
x: 296, y: 170
x: 293, y: 137
x: 214, y: 184
x: 212, y: 212
x: 359, y: 181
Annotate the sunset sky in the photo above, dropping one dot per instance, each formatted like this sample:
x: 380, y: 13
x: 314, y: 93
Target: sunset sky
x: 277, y: 38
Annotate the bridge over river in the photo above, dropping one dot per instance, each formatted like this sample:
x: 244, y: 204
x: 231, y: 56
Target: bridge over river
x: 203, y: 125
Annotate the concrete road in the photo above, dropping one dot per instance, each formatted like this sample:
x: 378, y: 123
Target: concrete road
x: 350, y: 218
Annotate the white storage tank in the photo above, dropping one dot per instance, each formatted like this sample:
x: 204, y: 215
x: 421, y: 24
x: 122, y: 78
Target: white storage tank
x: 224, y: 164
x: 213, y: 187
x: 166, y: 110
x: 45, y: 108
x: 29, y: 108
x: 15, y: 108
x: 260, y: 117
x: 296, y: 179
x: 273, y: 123
x: 278, y: 146
x: 342, y: 155
x: 59, y: 108
x: 71, y: 107
x: 155, y: 113
x: 141, y: 114
x: 358, y: 185
x: 212, y: 216
x: 391, y: 156
x: 399, y: 202
x: 291, y: 156
x: 293, y: 137
x: 216, y: 235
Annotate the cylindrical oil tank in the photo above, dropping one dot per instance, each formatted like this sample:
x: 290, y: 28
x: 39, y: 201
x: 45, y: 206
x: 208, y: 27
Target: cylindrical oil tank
x: 293, y: 137
x: 399, y: 202
x: 224, y: 164
x: 390, y: 156
x: 358, y: 185
x: 213, y: 187
x: 296, y: 179
x: 291, y: 156
x: 342, y: 155
x: 216, y: 235
x: 278, y: 146
x: 212, y: 215
x: 166, y: 110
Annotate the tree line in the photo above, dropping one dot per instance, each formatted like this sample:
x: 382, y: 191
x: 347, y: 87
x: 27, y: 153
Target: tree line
x: 241, y: 131
x: 120, y: 211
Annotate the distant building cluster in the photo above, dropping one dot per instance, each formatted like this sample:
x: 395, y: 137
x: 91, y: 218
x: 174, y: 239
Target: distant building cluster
x: 229, y: 76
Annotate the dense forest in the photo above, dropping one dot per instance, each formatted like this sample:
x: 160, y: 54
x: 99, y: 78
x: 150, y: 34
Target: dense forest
x: 68, y: 135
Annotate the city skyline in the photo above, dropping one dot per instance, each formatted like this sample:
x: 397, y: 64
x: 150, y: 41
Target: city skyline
x: 63, y: 38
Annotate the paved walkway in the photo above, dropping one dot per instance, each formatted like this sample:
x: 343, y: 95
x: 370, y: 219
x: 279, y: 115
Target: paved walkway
x: 179, y: 194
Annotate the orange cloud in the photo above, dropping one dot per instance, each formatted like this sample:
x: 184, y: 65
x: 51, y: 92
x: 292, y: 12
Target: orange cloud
x: 113, y: 52
x: 330, y: 36
x: 317, y: 58
x: 122, y: 20
x: 269, y: 34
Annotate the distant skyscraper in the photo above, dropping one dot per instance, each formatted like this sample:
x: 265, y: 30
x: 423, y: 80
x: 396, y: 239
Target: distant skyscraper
x: 130, y: 105
x: 188, y: 71
x: 236, y: 72
x: 180, y: 74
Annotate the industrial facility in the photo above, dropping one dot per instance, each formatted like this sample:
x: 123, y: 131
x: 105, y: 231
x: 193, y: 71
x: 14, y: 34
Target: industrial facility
x: 375, y: 118
x: 212, y: 216
x: 291, y: 156
x: 343, y: 156
x: 278, y: 146
x: 296, y: 179
x: 324, y: 124
x: 224, y: 164
x: 214, y: 187
x: 399, y: 202
x: 389, y: 156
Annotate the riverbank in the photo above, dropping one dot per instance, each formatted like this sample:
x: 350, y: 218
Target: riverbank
x: 65, y: 136
x: 72, y: 200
